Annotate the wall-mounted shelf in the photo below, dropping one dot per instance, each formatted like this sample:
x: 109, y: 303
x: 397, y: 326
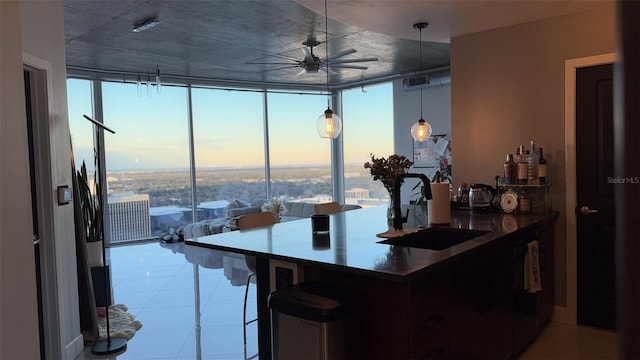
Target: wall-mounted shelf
x: 538, y: 196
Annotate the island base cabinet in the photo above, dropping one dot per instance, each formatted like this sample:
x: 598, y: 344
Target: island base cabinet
x: 481, y: 305
x: 429, y: 325
x: 385, y: 333
x: 402, y: 320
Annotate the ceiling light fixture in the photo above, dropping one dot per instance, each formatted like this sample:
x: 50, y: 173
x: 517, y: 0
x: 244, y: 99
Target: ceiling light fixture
x: 145, y: 24
x: 158, y: 80
x: 148, y: 85
x: 328, y: 124
x: 139, y: 84
x: 421, y: 130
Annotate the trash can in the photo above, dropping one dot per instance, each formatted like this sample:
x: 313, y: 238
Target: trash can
x: 315, y: 321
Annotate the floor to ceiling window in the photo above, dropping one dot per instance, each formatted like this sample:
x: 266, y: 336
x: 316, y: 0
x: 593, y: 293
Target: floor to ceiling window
x: 367, y: 129
x: 80, y: 103
x: 300, y: 158
x: 228, y: 134
x: 147, y: 160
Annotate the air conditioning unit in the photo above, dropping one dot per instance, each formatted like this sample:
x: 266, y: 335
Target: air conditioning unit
x: 428, y: 80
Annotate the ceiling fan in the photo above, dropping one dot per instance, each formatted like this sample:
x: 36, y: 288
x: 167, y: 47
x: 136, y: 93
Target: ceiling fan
x: 311, y: 63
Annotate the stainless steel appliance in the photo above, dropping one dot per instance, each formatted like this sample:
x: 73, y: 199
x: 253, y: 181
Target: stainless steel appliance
x: 480, y: 196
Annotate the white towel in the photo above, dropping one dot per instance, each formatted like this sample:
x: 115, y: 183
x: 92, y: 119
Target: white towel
x: 532, y: 282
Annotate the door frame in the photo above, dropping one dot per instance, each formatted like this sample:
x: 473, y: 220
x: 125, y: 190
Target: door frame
x: 42, y: 103
x: 568, y: 314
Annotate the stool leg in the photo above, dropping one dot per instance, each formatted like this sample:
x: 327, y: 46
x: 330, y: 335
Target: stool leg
x: 244, y: 311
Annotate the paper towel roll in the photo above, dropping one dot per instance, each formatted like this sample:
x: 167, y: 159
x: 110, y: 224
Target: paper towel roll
x: 439, y: 207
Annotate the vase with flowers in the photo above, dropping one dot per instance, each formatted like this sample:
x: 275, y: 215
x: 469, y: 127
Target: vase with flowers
x: 276, y: 206
x: 386, y: 170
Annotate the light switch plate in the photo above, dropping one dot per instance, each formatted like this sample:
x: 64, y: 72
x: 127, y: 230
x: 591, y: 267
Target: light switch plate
x: 65, y: 195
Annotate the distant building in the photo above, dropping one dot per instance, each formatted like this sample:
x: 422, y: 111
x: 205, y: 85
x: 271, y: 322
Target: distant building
x: 164, y: 218
x: 357, y: 193
x: 129, y: 217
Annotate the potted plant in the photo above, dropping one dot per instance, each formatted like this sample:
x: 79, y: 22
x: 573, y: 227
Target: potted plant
x: 91, y: 205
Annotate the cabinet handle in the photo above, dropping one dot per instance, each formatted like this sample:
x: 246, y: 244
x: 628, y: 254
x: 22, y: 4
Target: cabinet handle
x: 431, y: 322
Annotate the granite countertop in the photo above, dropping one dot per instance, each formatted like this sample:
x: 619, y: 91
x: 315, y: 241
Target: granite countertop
x: 353, y: 245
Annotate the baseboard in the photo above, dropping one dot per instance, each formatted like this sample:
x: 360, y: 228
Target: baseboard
x: 74, y: 348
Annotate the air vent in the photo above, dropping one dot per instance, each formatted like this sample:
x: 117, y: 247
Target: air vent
x: 432, y: 79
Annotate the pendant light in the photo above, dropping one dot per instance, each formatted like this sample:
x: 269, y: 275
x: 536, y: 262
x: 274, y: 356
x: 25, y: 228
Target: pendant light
x: 328, y: 124
x: 421, y: 130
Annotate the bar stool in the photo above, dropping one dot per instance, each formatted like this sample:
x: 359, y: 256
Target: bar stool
x: 246, y: 222
x: 328, y: 208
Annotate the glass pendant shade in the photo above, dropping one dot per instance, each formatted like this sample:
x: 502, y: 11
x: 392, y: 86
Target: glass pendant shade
x: 421, y: 130
x: 329, y: 124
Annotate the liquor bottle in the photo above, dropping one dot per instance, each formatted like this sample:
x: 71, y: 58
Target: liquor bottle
x: 522, y: 169
x: 510, y: 170
x: 532, y: 161
x: 542, y: 168
x: 524, y: 202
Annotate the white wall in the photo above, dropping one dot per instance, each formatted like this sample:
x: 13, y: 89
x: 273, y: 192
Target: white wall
x: 36, y: 28
x: 508, y: 89
x: 436, y: 110
x: 18, y: 304
x: 46, y: 41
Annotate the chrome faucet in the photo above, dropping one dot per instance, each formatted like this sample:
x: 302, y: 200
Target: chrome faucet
x: 398, y: 219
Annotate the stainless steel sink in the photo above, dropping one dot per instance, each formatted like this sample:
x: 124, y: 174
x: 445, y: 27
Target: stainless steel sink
x: 435, y: 238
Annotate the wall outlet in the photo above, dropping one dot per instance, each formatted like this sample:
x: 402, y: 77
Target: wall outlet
x: 283, y: 275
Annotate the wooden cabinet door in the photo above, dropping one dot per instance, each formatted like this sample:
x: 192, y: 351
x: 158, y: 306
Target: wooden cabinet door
x: 481, y: 304
x: 547, y: 294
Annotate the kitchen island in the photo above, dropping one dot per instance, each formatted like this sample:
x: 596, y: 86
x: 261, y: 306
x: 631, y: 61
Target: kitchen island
x: 455, y: 302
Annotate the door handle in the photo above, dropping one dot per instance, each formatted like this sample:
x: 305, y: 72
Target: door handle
x: 36, y: 240
x: 585, y: 210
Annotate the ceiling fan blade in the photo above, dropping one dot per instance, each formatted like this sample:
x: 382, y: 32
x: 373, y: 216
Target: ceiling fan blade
x: 331, y: 71
x: 350, y: 67
x: 274, y: 55
x: 308, y: 56
x: 280, y: 68
x: 340, y: 54
x: 271, y: 63
x: 284, y: 57
x: 352, y: 60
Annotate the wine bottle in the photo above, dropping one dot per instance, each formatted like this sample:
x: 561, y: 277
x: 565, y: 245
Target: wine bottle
x: 542, y: 168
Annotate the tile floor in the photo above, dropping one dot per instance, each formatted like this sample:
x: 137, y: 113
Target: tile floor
x: 189, y: 301
x: 560, y: 341
x: 188, y: 311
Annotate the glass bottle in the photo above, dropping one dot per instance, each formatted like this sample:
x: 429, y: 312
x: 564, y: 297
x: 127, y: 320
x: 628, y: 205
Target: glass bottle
x: 510, y: 170
x: 522, y: 169
x: 542, y: 168
x: 524, y: 202
x: 532, y: 161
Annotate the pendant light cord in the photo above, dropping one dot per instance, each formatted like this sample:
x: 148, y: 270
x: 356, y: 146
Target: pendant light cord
x: 326, y: 45
x: 421, y: 72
